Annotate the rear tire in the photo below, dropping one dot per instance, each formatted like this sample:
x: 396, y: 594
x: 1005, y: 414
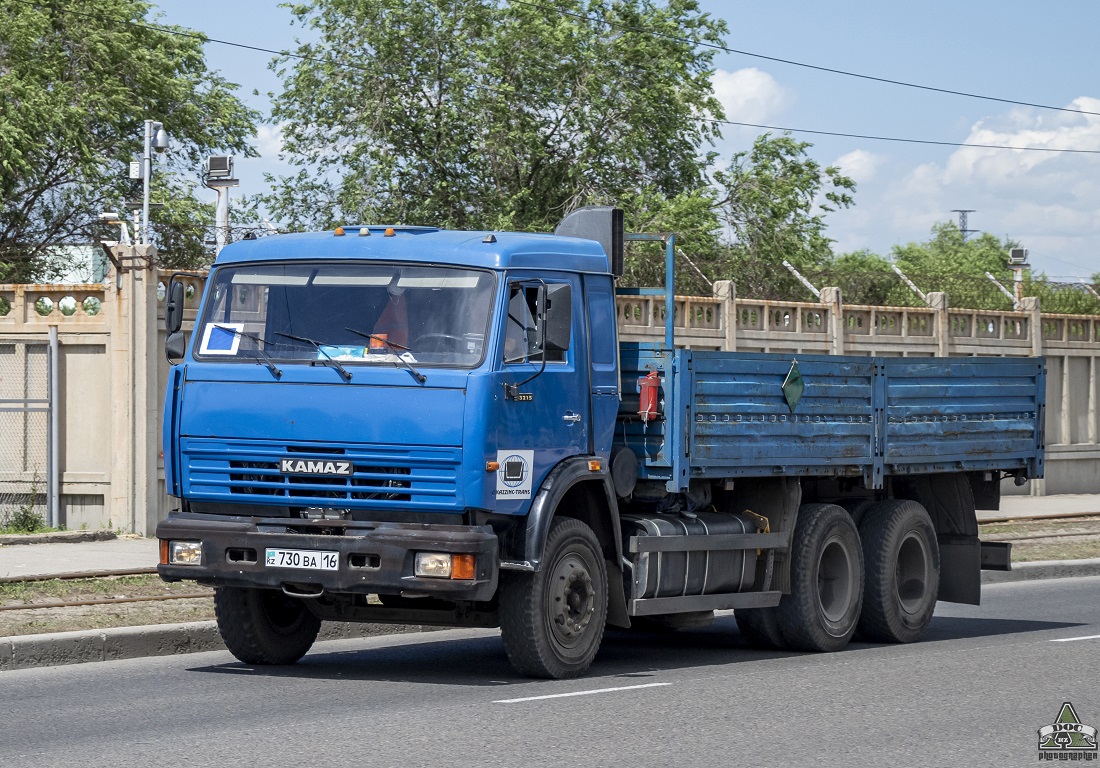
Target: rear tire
x: 760, y: 628
x: 821, y: 612
x: 552, y: 621
x: 902, y: 562
x: 264, y: 626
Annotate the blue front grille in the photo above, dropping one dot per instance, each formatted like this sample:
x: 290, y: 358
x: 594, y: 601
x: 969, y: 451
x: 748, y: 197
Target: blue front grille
x: 383, y: 477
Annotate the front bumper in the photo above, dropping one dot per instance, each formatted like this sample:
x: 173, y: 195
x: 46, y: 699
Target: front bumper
x: 374, y: 558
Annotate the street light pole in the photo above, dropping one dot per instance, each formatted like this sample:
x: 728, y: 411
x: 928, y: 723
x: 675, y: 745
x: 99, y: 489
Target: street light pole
x: 146, y: 172
x: 155, y: 139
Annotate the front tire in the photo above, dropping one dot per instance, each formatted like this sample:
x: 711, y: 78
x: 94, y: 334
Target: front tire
x: 821, y: 612
x: 552, y: 621
x: 264, y: 626
x: 902, y: 560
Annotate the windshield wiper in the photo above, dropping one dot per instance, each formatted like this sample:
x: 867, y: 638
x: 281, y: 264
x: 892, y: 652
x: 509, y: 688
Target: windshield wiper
x: 258, y: 343
x: 320, y: 348
x: 420, y: 378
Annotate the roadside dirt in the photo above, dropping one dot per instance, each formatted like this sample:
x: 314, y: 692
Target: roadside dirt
x: 40, y: 620
x: 1029, y: 543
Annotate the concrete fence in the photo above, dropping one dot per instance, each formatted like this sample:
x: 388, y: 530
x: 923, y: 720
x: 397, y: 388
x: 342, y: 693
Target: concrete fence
x: 112, y: 372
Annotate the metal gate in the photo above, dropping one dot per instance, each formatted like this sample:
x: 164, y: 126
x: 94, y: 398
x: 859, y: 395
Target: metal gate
x: 28, y: 430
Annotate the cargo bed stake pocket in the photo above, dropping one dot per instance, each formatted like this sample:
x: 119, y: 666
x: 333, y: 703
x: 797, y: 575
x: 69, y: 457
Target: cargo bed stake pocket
x: 364, y: 561
x: 240, y: 555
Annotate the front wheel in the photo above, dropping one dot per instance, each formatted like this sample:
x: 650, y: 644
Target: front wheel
x: 264, y: 626
x: 821, y: 612
x: 552, y: 621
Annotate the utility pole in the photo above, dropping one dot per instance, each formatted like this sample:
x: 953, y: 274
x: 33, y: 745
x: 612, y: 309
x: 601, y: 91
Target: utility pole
x: 219, y: 177
x: 963, y: 221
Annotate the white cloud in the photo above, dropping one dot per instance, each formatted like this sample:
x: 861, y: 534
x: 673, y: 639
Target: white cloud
x: 860, y: 164
x: 269, y: 141
x: 750, y: 95
x: 1048, y: 201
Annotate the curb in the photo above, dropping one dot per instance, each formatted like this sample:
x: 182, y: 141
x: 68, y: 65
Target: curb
x: 60, y: 648
x: 1044, y: 569
x: 55, y: 537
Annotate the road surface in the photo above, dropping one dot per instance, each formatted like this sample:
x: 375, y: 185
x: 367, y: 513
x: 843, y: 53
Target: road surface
x: 975, y: 692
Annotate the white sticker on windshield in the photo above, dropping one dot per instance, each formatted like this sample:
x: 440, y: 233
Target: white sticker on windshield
x: 514, y: 474
x: 220, y: 339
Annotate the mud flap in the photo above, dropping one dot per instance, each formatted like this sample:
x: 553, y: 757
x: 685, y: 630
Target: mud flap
x: 960, y: 569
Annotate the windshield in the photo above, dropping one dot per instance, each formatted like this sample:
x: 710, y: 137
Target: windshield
x: 347, y: 312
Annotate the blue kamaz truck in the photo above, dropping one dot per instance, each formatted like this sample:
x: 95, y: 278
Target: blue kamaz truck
x: 411, y: 425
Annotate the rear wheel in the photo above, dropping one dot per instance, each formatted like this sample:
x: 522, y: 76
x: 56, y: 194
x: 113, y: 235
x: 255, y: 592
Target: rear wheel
x: 552, y: 621
x: 264, y: 626
x: 902, y: 561
x: 821, y: 612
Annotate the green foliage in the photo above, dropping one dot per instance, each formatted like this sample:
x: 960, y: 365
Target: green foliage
x: 487, y: 114
x: 77, y: 86
x: 947, y: 253
x: 774, y: 198
x: 26, y: 518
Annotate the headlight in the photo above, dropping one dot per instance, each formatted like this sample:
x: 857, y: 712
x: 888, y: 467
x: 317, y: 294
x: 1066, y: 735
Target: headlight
x: 185, y: 553
x: 442, y: 565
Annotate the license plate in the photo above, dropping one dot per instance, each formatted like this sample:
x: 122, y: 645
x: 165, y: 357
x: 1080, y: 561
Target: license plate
x: 310, y: 559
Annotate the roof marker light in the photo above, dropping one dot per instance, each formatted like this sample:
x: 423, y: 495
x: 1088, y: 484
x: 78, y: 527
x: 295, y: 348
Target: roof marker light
x: 389, y: 232
x: 364, y: 232
x: 339, y: 232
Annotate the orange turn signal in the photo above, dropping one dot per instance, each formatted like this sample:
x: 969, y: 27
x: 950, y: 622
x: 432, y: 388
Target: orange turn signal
x: 492, y: 466
x: 594, y: 465
x: 462, y: 566
x: 164, y: 551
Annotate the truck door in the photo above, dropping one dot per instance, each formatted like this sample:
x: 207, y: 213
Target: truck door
x: 543, y: 409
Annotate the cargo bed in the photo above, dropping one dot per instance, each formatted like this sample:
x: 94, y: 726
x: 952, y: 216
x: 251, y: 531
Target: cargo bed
x: 728, y: 414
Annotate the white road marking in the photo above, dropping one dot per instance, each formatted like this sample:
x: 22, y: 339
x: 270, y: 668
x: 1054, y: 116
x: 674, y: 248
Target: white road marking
x: 581, y: 693
x: 1071, y: 639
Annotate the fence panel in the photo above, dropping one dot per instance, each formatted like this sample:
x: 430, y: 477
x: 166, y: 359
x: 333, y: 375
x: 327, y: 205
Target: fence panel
x: 24, y: 429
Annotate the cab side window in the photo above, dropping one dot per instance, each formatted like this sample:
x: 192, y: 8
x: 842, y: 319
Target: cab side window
x: 521, y: 338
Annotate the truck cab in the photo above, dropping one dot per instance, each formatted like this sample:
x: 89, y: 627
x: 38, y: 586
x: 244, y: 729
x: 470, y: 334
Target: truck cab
x: 372, y: 412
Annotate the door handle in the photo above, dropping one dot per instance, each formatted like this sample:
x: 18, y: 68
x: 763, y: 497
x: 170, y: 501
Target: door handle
x: 571, y: 417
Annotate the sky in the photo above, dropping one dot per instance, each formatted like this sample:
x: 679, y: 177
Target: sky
x: 1034, y: 52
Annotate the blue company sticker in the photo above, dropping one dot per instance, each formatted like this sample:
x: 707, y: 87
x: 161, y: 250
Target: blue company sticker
x: 514, y: 474
x: 221, y: 339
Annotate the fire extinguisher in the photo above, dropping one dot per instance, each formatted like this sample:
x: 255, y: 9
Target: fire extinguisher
x: 647, y: 400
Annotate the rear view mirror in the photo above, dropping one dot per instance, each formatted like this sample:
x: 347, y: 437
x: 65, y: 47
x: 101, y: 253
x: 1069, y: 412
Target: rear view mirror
x: 175, y: 343
x: 173, y: 309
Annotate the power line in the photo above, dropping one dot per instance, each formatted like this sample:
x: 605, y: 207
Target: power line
x: 901, y: 140
x: 509, y: 92
x: 791, y: 62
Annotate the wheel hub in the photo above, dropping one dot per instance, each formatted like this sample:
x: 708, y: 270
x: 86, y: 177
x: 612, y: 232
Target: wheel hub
x: 834, y: 580
x: 911, y: 573
x: 573, y: 599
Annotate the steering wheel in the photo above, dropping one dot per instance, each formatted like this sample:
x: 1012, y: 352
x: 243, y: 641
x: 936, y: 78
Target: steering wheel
x: 425, y: 343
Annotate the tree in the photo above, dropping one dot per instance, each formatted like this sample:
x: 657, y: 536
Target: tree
x: 772, y: 201
x: 956, y: 265
x: 493, y: 114
x: 79, y: 78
